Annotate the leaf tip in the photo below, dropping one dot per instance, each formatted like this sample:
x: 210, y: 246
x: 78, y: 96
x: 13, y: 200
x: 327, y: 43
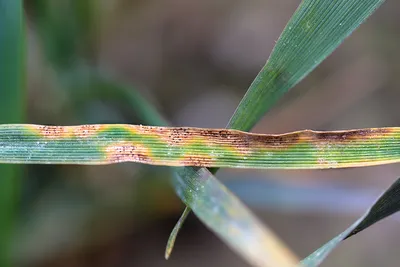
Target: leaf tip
x: 174, y: 233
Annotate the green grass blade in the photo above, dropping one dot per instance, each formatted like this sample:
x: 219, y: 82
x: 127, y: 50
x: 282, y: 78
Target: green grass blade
x: 385, y: 206
x: 314, y: 31
x: 174, y: 233
x: 12, y: 77
x: 221, y: 211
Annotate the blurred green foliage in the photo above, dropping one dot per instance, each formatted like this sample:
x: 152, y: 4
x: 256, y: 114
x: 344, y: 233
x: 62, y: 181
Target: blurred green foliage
x: 12, y: 110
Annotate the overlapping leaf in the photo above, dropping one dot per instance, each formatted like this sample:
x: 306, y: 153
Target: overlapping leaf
x: 316, y: 29
x: 385, y: 206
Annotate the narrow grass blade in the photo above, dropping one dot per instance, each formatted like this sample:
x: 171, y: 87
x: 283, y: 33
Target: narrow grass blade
x: 315, y: 30
x: 175, y: 146
x: 174, y: 233
x: 221, y: 211
x: 385, y: 206
x: 12, y: 74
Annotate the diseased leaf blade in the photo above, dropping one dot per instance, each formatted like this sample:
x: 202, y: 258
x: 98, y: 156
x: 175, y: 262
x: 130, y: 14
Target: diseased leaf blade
x: 385, y: 206
x: 97, y: 144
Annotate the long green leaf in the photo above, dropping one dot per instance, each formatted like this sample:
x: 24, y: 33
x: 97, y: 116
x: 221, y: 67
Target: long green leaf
x: 230, y: 219
x: 385, y: 206
x: 316, y: 29
x: 12, y: 73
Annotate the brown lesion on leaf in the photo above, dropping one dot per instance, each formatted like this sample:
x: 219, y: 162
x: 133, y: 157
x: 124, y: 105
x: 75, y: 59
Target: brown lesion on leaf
x: 127, y: 152
x: 178, y: 136
x: 172, y: 136
x: 84, y: 131
x: 53, y: 132
x: 286, y: 140
x: 59, y: 132
x: 245, y: 142
x: 349, y: 135
x: 274, y: 141
x: 197, y: 161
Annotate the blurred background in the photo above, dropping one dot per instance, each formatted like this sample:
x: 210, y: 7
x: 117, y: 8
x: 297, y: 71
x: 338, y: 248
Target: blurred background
x: 194, y: 60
